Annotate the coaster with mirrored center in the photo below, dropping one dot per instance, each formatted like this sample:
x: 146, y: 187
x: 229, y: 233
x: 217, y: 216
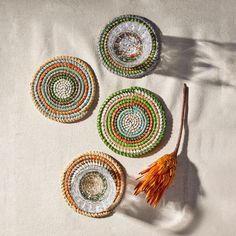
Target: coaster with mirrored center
x: 93, y: 184
x: 130, y: 46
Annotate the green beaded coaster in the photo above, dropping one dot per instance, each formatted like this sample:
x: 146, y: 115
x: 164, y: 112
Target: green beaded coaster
x: 132, y: 121
x: 130, y: 46
x: 63, y: 88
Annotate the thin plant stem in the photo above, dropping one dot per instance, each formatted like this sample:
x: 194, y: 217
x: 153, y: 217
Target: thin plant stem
x: 185, y: 91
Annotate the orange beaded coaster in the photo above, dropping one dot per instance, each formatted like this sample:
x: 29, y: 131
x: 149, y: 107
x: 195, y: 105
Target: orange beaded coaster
x: 63, y: 89
x: 93, y: 184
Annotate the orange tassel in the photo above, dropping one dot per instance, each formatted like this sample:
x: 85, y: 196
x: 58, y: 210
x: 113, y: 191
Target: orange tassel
x: 156, y: 179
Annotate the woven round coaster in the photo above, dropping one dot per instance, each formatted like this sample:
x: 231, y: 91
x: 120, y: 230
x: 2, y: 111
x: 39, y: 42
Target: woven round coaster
x: 130, y: 46
x: 131, y: 121
x: 64, y: 88
x: 93, y: 184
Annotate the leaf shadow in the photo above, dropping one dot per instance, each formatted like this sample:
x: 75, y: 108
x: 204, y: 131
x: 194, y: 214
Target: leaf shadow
x: 187, y: 59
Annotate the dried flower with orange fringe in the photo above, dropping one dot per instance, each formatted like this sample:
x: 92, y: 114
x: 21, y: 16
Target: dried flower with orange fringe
x: 156, y: 178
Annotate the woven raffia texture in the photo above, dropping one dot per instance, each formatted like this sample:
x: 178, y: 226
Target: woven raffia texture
x: 132, y: 121
x: 63, y: 89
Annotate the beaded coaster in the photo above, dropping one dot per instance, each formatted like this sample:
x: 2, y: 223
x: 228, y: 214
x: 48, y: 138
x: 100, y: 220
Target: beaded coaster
x: 130, y: 46
x: 93, y: 184
x: 131, y: 121
x: 63, y: 88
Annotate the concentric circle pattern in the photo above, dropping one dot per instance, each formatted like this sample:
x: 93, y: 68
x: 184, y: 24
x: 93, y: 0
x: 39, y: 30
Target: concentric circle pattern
x: 130, y: 46
x: 93, y: 184
x: 63, y: 88
x: 132, y: 121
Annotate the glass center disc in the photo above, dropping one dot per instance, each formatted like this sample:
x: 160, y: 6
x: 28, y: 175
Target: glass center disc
x: 128, y: 46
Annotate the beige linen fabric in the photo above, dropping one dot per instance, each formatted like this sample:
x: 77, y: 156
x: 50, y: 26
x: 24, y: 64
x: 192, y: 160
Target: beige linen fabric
x: 199, y: 49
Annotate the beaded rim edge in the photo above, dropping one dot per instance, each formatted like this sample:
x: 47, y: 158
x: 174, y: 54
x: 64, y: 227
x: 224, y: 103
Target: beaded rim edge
x: 121, y: 172
x: 162, y: 132
x: 85, y: 110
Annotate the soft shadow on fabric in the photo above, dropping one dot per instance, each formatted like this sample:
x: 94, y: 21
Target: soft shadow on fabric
x: 200, y: 61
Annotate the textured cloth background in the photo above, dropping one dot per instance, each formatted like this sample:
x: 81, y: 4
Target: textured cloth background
x: 199, y: 48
